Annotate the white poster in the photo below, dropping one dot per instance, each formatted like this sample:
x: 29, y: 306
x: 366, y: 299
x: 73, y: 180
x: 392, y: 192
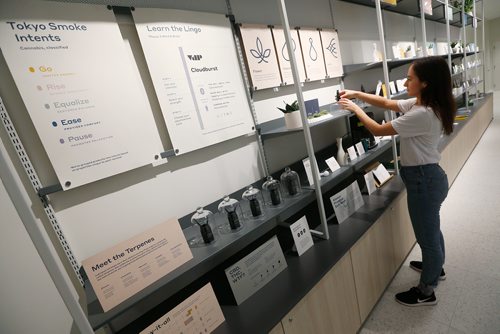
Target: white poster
x: 312, y: 52
x: 193, y: 62
x: 428, y: 7
x: 331, y: 50
x: 81, y: 90
x: 347, y: 201
x: 284, y: 58
x: 261, y: 58
x: 121, y: 271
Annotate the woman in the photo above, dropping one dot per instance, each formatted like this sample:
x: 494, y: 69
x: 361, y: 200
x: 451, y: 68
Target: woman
x: 425, y: 117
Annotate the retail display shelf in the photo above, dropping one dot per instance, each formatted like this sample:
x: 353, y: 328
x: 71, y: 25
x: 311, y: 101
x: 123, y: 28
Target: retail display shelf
x: 205, y: 257
x: 358, y: 164
x: 277, y: 126
x: 391, y: 63
x: 412, y: 8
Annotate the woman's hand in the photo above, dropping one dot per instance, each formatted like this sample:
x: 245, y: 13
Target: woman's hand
x: 348, y: 94
x: 350, y: 105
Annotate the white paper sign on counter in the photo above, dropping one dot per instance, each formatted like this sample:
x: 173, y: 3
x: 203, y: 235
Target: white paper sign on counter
x: 256, y: 269
x: 352, y: 153
x: 301, y: 235
x: 261, y: 59
x: 360, y: 148
x: 81, y: 88
x: 381, y: 174
x: 125, y: 269
x: 199, y: 313
x: 347, y: 201
x: 370, y: 182
x: 307, y: 166
x: 332, y: 164
x: 194, y: 65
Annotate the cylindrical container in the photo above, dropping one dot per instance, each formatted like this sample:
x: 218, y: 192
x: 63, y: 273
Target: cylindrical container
x: 229, y: 207
x: 291, y: 182
x: 202, y: 219
x: 273, y: 190
x: 255, y: 199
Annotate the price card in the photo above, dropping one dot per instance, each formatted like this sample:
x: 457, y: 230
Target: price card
x: 308, y: 168
x: 352, y: 153
x: 256, y: 269
x: 360, y: 148
x: 332, y: 164
x: 381, y: 174
x: 301, y: 235
x: 370, y: 182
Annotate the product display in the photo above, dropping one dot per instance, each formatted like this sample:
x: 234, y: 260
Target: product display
x: 230, y: 207
x: 202, y: 218
x: 291, y: 182
x: 256, y: 200
x: 273, y: 190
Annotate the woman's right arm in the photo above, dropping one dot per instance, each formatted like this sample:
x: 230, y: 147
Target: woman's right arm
x: 374, y: 100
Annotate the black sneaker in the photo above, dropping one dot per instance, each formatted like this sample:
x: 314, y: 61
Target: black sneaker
x: 417, y: 265
x: 414, y: 297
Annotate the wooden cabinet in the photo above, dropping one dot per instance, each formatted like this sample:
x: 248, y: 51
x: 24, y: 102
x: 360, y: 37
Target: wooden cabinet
x: 278, y: 329
x: 373, y: 263
x: 403, y: 236
x: 330, y: 307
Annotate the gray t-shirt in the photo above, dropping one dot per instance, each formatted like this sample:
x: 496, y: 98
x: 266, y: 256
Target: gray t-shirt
x: 420, y: 131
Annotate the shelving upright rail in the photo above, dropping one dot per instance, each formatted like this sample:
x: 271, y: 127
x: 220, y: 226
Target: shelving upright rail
x: 34, y: 227
x: 385, y: 67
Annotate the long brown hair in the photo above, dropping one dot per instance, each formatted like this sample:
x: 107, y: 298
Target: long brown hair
x: 437, y: 94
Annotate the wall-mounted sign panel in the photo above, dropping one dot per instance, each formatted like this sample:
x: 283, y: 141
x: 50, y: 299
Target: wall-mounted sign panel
x: 284, y: 58
x: 77, y: 81
x: 314, y: 63
x: 193, y: 62
x: 127, y: 268
x: 331, y: 50
x: 260, y: 55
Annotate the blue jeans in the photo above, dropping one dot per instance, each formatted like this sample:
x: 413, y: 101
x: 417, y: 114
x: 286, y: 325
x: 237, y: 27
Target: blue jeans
x: 427, y: 187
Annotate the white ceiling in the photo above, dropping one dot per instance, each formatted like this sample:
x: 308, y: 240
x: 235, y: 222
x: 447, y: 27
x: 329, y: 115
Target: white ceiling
x: 491, y: 9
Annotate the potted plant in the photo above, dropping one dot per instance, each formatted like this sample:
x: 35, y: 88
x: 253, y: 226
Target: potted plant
x: 292, y: 115
x: 408, y: 53
x: 430, y: 49
x: 456, y: 46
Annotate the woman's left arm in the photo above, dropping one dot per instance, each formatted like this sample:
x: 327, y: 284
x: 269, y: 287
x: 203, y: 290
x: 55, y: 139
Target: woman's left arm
x: 372, y: 126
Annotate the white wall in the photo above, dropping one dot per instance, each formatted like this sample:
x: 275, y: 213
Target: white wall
x: 493, y: 54
x: 98, y: 215
x: 30, y: 302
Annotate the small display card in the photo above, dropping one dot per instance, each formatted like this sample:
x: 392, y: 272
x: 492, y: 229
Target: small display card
x: 301, y: 235
x: 352, y: 153
x: 360, y: 148
x: 199, y: 313
x: 125, y: 269
x: 370, y: 182
x: 381, y: 174
x: 347, y: 201
x: 256, y: 269
x: 332, y: 164
x: 308, y: 168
